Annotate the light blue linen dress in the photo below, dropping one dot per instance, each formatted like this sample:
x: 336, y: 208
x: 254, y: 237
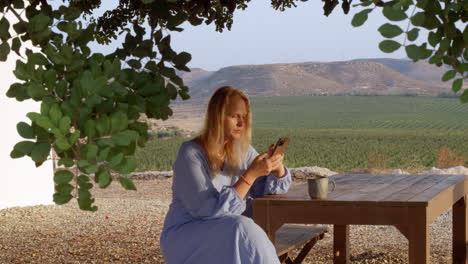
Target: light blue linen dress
x: 207, y: 221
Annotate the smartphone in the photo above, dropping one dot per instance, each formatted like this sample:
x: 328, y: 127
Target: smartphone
x: 281, y: 145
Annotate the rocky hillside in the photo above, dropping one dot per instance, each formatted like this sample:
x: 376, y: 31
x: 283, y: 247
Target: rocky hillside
x: 357, y: 77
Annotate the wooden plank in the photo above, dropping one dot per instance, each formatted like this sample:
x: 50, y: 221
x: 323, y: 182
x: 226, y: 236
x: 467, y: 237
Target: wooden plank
x: 446, y: 199
x: 341, y: 244
x: 460, y: 232
x: 419, y: 239
x: 293, y: 212
x: 396, y: 188
x: 418, y: 187
x: 431, y: 192
x: 354, y: 185
x: 372, y: 187
x: 291, y: 236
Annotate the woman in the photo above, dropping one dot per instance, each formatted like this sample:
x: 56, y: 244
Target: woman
x: 215, y: 176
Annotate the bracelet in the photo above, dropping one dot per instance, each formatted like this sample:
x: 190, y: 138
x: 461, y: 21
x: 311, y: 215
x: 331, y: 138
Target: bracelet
x: 244, y: 180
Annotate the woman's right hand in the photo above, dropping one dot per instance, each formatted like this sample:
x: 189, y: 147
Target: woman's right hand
x: 263, y: 164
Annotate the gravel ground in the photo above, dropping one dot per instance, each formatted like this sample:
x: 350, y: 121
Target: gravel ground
x: 127, y: 226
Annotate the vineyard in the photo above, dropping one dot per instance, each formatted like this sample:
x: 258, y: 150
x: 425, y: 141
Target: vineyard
x: 347, y: 132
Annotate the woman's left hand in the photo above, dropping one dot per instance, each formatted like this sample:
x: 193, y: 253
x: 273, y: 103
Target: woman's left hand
x: 278, y: 171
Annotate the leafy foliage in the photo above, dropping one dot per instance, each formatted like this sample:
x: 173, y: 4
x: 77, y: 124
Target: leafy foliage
x: 447, y: 43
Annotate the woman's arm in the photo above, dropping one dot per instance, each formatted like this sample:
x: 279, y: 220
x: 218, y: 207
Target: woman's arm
x: 193, y: 186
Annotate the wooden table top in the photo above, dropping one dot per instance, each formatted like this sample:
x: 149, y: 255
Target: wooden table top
x: 378, y: 190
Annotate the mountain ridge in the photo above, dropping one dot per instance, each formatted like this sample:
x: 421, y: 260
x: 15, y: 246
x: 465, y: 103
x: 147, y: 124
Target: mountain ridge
x: 355, y: 77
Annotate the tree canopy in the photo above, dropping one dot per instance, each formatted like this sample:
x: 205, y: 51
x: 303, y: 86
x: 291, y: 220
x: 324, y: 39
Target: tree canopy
x: 91, y: 102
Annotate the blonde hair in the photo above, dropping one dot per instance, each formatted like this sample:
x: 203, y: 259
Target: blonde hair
x: 212, y: 139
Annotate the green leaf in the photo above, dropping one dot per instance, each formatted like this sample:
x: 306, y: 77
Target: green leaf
x: 21, y: 72
x: 444, y: 44
x: 390, y: 31
x: 39, y: 22
x: 418, y: 19
x: 4, y: 51
x: 4, y: 29
x: 422, y: 3
x: 18, y: 4
x: 413, y: 34
x: 434, y: 38
x: 389, y: 46
x: 361, y: 17
x: 413, y: 52
x: 55, y: 114
x: 134, y: 64
x: 394, y: 14
x: 42, y: 121
x: 147, y: 1
x: 74, y: 137
x: 37, y: 59
x: 127, y: 166
x: 91, y: 151
x: 90, y: 169
x: 36, y: 91
x: 464, y: 96
x: 40, y: 152
x: 62, y: 143
x: 171, y: 91
x: 119, y: 121
x: 457, y: 85
x: 122, y: 139
x: 15, y: 45
x: 182, y: 58
x: 24, y: 147
x: 90, y: 128
x: 103, y: 125
x: 64, y: 188
x: 103, y: 153
x: 64, y: 124
x: 448, y: 75
x: 62, y: 198
x: 104, y: 179
x: 72, y: 13
x: 127, y: 183
x: 66, y: 163
x: 63, y: 177
x: 115, y: 159
x: 25, y: 130
x: 21, y: 27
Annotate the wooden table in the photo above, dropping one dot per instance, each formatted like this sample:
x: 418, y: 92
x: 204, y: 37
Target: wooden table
x: 408, y: 202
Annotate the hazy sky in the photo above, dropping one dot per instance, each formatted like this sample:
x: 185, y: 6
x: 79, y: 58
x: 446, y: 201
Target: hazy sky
x: 262, y: 35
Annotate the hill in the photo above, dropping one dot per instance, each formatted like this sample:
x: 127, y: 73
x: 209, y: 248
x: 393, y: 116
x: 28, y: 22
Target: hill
x: 357, y: 77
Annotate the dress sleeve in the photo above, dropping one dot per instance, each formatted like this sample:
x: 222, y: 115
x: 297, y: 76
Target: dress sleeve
x: 193, y: 186
x: 268, y: 184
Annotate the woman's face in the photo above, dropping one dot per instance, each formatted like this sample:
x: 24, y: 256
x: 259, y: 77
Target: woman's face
x: 235, y: 118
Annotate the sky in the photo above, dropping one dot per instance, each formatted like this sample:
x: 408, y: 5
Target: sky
x: 262, y: 35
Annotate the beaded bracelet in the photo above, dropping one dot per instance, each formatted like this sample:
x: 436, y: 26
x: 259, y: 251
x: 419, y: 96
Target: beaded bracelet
x: 244, y: 180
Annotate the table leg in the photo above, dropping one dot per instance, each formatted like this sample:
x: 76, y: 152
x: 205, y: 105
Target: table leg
x: 419, y: 239
x: 341, y: 244
x: 460, y: 228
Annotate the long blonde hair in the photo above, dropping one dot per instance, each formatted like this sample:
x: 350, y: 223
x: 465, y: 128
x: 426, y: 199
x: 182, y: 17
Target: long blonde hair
x: 212, y: 139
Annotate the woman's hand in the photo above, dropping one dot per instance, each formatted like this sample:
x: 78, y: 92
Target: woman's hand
x: 279, y: 170
x: 263, y: 164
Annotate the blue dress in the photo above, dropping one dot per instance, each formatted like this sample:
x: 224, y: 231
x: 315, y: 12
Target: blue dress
x: 207, y: 221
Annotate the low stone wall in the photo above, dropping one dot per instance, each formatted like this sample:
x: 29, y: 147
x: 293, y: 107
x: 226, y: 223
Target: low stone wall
x: 297, y: 173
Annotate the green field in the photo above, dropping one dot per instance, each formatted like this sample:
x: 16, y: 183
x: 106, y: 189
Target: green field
x: 344, y: 132
x: 359, y: 112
